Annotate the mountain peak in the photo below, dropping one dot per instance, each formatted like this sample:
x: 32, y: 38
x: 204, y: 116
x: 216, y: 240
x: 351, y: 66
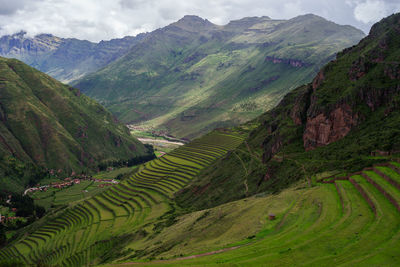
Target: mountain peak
x: 192, y: 18
x: 193, y: 22
x: 20, y: 35
x: 308, y: 16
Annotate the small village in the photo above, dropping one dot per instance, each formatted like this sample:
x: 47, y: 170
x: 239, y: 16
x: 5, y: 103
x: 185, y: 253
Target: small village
x: 5, y: 219
x: 62, y: 184
x: 67, y: 182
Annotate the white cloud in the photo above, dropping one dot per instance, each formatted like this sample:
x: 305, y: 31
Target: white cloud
x: 370, y: 11
x: 105, y: 19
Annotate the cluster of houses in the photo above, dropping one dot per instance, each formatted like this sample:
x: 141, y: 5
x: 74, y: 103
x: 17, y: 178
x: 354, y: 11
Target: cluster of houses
x: 70, y: 181
x: 67, y: 182
x: 105, y: 182
x: 59, y: 185
x: 6, y: 219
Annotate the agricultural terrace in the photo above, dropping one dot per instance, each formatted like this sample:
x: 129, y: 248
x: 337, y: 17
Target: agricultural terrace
x: 85, y: 231
x: 342, y: 221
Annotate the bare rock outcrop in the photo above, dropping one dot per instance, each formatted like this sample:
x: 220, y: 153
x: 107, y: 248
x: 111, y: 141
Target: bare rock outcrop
x: 324, y: 129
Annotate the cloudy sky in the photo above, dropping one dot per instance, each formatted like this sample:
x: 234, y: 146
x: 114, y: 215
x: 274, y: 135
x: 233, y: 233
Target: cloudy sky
x: 97, y: 20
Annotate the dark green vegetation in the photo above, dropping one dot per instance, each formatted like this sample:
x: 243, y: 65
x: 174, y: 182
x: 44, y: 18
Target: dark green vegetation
x: 332, y: 125
x: 98, y: 228
x: 45, y: 124
x: 64, y: 59
x: 193, y: 76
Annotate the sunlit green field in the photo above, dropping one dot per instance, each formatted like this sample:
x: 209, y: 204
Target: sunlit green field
x: 352, y: 222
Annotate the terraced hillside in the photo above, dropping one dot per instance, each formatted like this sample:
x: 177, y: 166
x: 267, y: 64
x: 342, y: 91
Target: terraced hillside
x: 88, y: 230
x: 341, y: 221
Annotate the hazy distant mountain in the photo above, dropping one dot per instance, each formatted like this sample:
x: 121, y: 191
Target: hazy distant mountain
x: 192, y: 75
x: 64, y: 59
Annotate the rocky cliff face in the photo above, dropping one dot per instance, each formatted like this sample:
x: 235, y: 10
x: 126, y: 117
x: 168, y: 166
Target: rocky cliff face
x: 324, y: 129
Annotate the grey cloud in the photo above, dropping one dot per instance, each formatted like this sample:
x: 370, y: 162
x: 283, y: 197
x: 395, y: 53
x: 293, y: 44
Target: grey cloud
x: 132, y: 4
x: 8, y: 7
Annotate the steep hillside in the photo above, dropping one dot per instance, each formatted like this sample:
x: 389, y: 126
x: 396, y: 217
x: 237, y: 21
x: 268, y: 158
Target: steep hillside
x: 46, y: 123
x: 64, y: 59
x: 329, y: 126
x: 192, y: 76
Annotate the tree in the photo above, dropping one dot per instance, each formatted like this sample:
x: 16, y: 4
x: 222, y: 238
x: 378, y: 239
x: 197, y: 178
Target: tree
x: 40, y: 211
x: 3, y: 237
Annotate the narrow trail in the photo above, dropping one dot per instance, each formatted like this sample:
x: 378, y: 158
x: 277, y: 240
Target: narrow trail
x: 183, y: 258
x: 302, y: 168
x: 251, y: 153
x: 246, y: 174
x: 246, y: 186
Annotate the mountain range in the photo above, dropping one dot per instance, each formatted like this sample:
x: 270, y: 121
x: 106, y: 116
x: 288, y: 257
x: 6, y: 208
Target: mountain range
x: 314, y: 181
x: 65, y: 59
x: 193, y: 76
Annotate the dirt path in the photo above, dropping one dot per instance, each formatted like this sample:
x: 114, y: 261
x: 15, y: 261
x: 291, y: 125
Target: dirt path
x: 183, y: 258
x: 246, y: 172
x: 302, y: 168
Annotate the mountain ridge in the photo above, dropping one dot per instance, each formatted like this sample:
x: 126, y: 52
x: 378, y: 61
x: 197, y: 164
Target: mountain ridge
x: 65, y: 59
x: 211, y: 76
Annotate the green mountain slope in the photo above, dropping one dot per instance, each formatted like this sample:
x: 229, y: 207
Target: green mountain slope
x: 193, y: 76
x: 329, y: 126
x: 46, y: 123
x: 65, y: 59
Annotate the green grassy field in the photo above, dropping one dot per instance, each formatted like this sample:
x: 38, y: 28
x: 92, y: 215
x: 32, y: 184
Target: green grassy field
x: 115, y: 173
x: 353, y: 222
x: 54, y: 197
